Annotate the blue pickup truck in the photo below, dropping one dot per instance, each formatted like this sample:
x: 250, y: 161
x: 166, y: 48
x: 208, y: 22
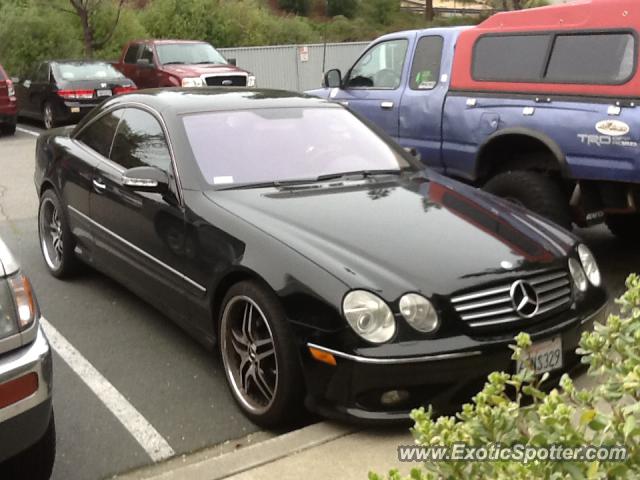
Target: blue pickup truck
x: 536, y: 106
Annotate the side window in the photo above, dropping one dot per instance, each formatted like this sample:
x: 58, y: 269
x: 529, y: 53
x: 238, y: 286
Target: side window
x: 380, y: 67
x: 140, y: 141
x: 593, y: 58
x: 147, y: 53
x: 132, y: 54
x: 510, y: 58
x: 99, y: 135
x: 425, y: 70
x: 42, y: 73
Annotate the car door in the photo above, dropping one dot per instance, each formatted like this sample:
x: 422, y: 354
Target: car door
x: 373, y: 86
x: 146, y: 72
x: 423, y: 100
x: 138, y: 234
x: 87, y: 148
x: 129, y: 65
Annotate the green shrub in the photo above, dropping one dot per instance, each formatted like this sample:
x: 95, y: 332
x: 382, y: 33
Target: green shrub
x: 44, y: 33
x: 299, y: 7
x: 607, y: 414
x: 128, y: 28
x: 346, y: 8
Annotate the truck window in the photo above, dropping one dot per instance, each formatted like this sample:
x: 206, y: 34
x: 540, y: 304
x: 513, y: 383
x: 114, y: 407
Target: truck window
x: 604, y: 58
x: 132, y: 53
x: 510, y: 58
x: 425, y: 70
x: 147, y: 53
x: 380, y: 67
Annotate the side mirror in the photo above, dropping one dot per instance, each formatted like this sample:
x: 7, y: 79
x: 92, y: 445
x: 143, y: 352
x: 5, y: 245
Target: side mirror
x: 332, y: 79
x: 413, y: 152
x: 232, y: 61
x: 146, y: 179
x: 143, y: 62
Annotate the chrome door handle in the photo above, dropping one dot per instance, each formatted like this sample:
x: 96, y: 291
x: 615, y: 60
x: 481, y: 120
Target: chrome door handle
x: 386, y: 105
x: 98, y: 185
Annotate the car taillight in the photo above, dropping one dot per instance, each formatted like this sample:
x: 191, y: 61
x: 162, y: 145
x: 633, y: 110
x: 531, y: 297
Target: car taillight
x: 10, y: 89
x: 25, y: 302
x: 129, y: 89
x: 75, y: 94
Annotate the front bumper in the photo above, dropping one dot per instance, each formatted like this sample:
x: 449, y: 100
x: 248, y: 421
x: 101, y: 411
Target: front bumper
x: 26, y: 421
x: 352, y: 388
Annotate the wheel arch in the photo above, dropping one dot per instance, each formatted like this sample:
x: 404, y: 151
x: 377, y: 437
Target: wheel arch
x: 512, y: 148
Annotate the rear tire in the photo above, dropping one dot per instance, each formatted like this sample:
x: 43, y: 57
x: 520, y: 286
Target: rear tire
x: 625, y: 227
x: 8, y: 129
x: 539, y: 193
x: 35, y: 463
x: 49, y: 116
x: 266, y: 386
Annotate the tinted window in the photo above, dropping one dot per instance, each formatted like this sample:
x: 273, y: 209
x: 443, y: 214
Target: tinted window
x: 140, y: 141
x: 265, y: 145
x: 147, y: 53
x: 132, y: 54
x: 380, y: 67
x: 425, y: 70
x: 595, y: 58
x: 510, y: 58
x: 99, y: 134
x: 42, y: 73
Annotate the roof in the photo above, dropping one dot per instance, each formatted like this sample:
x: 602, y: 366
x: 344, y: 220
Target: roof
x: 166, y: 40
x: 179, y: 101
x: 580, y: 15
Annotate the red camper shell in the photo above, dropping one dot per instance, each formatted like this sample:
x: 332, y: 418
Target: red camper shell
x: 583, y: 48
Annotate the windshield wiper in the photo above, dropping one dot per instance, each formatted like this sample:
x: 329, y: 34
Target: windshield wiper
x: 206, y: 62
x: 173, y: 63
x: 320, y: 178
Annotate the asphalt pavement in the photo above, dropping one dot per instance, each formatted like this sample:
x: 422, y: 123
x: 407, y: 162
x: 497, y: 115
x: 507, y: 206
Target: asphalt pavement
x: 170, y: 384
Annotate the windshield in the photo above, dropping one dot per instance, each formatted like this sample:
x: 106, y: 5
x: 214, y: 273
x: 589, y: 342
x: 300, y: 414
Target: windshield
x: 271, y: 145
x: 188, y: 53
x: 86, y: 71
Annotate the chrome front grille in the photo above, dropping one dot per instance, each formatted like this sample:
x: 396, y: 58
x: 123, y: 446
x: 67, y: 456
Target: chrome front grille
x: 495, y: 306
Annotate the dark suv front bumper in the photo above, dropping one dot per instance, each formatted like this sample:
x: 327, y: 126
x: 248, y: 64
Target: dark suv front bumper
x: 352, y: 389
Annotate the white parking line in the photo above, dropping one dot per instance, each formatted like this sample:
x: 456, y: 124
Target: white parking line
x: 144, y: 433
x: 26, y: 130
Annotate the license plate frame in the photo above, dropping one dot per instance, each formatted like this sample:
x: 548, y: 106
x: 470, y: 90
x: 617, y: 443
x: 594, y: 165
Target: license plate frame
x: 547, y: 356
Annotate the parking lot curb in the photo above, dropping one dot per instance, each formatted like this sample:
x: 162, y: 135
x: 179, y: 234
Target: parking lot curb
x: 245, y: 458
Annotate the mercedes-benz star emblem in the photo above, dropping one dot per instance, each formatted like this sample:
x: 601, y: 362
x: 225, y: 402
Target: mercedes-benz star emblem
x: 524, y: 299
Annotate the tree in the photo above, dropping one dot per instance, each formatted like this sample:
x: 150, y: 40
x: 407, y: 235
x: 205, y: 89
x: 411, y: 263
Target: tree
x: 348, y: 8
x: 428, y: 10
x: 86, y: 11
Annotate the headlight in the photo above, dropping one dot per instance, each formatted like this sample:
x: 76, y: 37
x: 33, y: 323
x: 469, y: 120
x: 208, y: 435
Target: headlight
x: 251, y: 81
x: 192, y: 82
x: 579, y: 277
x: 419, y: 312
x: 369, y: 316
x: 590, y: 265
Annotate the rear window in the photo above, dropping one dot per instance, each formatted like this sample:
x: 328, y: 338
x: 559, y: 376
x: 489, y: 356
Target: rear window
x: 86, y: 71
x: 587, y: 58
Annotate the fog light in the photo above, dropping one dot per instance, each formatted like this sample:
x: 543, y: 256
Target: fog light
x: 394, y: 397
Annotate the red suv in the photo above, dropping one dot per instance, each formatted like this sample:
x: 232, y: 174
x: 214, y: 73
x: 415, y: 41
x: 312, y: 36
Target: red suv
x: 8, y: 104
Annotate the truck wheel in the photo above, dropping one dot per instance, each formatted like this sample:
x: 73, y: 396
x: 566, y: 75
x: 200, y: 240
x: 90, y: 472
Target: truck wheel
x: 534, y: 191
x: 35, y: 463
x: 625, y: 227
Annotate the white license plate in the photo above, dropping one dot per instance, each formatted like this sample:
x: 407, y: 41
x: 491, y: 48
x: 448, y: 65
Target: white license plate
x: 104, y: 93
x: 545, y: 356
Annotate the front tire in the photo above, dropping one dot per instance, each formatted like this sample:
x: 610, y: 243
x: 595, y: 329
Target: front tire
x: 539, y: 193
x: 625, y: 227
x: 56, y: 241
x: 259, y: 356
x: 36, y: 462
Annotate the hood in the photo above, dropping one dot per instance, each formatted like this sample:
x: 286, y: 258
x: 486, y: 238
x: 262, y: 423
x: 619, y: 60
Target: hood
x: 434, y: 237
x: 198, y: 70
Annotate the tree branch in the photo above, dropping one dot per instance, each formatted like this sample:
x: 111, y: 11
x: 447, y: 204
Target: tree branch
x: 97, y: 45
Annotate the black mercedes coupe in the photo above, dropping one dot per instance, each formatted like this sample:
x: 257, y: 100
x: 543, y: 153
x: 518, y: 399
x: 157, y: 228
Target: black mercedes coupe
x: 329, y: 267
